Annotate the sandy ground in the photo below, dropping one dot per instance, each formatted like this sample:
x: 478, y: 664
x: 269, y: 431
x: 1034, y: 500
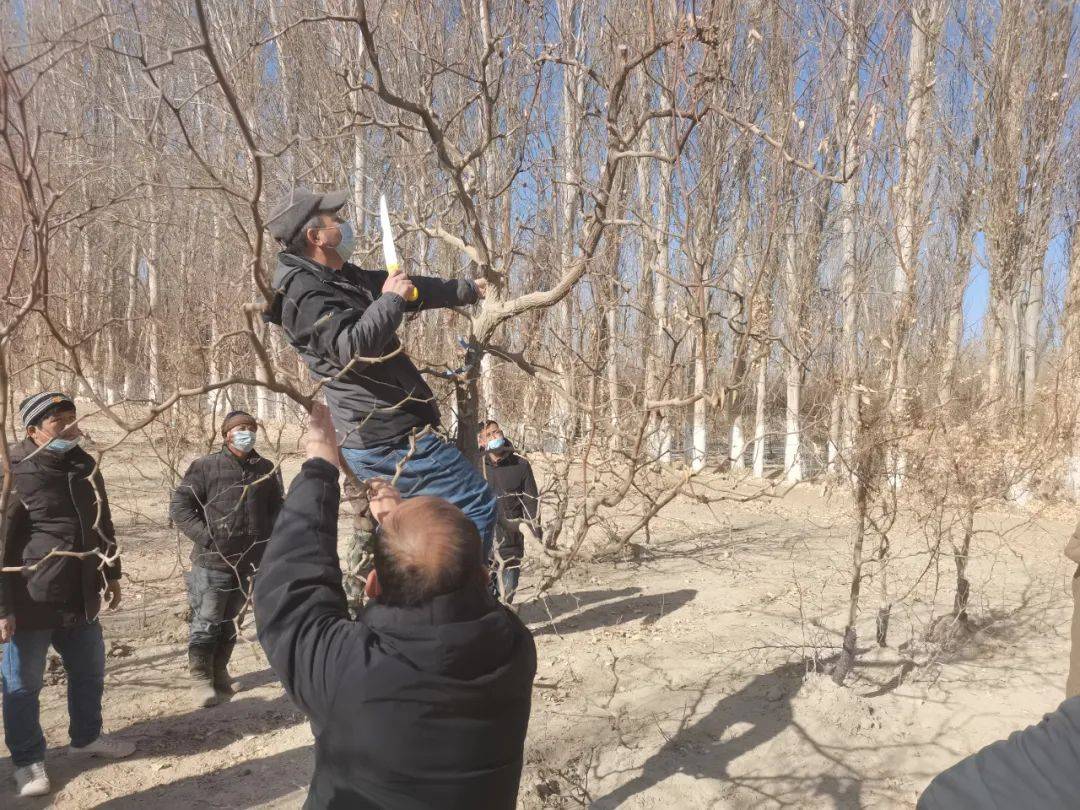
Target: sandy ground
x: 683, y: 679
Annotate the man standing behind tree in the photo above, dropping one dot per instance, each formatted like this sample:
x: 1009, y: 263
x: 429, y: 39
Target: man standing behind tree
x: 57, y: 521
x: 226, y: 504
x: 343, y: 321
x: 511, y: 476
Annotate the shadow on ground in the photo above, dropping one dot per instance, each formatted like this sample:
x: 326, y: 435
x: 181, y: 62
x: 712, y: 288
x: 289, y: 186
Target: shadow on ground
x: 277, y: 781
x: 179, y: 735
x: 703, y: 749
x: 632, y: 607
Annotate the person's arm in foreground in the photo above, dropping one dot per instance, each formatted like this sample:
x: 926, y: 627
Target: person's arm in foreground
x: 1035, y: 769
x: 16, y: 523
x: 300, y: 612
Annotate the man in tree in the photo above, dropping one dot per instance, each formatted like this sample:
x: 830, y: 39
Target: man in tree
x: 424, y: 700
x: 343, y: 321
x: 57, y: 520
x: 226, y: 504
x: 511, y: 476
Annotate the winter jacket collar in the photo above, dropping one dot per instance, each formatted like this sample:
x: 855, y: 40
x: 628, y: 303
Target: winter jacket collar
x: 510, y: 458
x: 465, y: 634
x: 252, y: 457
x: 75, y: 460
x: 464, y: 605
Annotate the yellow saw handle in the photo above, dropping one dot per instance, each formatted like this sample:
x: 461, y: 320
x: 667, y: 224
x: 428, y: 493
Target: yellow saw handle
x: 389, y: 251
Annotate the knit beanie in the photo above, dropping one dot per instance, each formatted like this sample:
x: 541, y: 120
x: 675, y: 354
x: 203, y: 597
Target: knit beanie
x: 234, y: 418
x: 36, y: 407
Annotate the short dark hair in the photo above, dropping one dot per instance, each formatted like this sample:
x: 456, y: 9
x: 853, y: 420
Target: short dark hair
x: 485, y: 424
x: 298, y: 245
x: 425, y: 548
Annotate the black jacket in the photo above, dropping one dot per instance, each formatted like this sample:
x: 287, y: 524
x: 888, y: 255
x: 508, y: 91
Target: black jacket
x: 335, y: 320
x: 58, y: 503
x: 227, y: 507
x: 514, y: 484
x: 412, y: 708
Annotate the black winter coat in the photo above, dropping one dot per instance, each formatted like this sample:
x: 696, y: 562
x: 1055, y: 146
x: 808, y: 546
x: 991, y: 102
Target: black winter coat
x: 58, y: 503
x: 227, y: 507
x: 514, y: 484
x: 338, y: 321
x: 412, y: 708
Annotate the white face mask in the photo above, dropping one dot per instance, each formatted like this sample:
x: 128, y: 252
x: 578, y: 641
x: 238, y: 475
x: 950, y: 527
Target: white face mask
x: 347, y: 245
x: 61, y: 446
x: 243, y: 440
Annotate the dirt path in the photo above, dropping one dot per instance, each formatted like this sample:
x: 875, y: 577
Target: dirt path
x: 678, y: 681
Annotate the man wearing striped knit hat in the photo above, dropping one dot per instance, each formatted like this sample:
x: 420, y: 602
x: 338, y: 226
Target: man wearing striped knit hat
x: 58, y: 535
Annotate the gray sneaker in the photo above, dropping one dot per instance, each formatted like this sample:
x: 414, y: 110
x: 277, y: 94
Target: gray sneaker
x: 31, y: 780
x: 107, y: 747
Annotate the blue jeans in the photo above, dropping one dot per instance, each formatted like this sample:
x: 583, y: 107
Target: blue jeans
x: 23, y: 670
x: 216, y: 599
x: 434, y: 468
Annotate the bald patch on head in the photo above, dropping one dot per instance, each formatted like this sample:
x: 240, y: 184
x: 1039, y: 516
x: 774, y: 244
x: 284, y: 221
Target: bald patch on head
x: 426, y: 547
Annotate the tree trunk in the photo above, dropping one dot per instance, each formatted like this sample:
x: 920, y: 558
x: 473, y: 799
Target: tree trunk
x: 154, y: 293
x: 960, y: 559
x: 760, y: 426
x: 793, y: 471
x: 926, y: 19
x: 1032, y: 321
x: 700, y: 449
x: 850, y: 640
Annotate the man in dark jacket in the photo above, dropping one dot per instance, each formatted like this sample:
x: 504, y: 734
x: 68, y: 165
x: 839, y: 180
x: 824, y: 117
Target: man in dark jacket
x: 343, y: 321
x: 58, y: 540
x: 226, y: 503
x: 511, y: 476
x: 423, y: 701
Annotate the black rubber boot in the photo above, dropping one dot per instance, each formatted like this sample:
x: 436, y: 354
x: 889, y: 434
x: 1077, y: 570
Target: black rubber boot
x: 223, y: 682
x: 201, y: 668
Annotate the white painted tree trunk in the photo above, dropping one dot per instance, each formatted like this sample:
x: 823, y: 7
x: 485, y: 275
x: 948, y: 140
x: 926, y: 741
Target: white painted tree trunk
x: 130, y: 338
x: 832, y: 451
x: 573, y: 95
x: 661, y: 428
x: 793, y: 470
x: 740, y: 310
x: 700, y: 443
x: 849, y: 209
x: 1032, y: 321
x: 737, y: 448
x: 760, y: 427
x: 154, y: 293
x: 612, y: 366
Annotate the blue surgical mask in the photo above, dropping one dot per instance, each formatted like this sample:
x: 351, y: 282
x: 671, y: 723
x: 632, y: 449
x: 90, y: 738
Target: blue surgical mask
x: 347, y: 245
x: 243, y: 440
x: 497, y: 444
x: 62, y: 445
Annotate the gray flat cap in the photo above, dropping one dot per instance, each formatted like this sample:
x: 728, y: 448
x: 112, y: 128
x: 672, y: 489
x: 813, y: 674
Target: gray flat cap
x: 290, y: 214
